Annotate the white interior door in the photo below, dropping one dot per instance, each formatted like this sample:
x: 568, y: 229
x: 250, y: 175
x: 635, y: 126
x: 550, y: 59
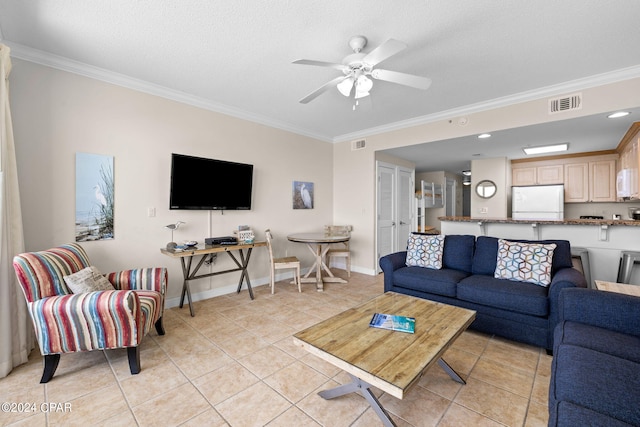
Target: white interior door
x: 406, y: 197
x: 395, y: 208
x: 386, y: 216
x: 450, y: 197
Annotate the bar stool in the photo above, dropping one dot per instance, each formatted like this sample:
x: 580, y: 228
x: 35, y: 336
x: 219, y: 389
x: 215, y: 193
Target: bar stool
x: 582, y: 254
x: 627, y: 260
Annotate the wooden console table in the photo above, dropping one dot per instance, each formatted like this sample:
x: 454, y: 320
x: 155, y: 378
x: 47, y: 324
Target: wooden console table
x: 190, y: 272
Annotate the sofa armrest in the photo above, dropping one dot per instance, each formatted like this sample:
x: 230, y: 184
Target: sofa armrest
x: 87, y: 321
x: 148, y: 279
x: 563, y: 279
x: 608, y: 310
x: 389, y: 264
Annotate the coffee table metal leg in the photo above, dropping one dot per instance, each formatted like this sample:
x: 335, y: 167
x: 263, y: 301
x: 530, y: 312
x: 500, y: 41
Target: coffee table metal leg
x: 358, y: 386
x: 449, y: 370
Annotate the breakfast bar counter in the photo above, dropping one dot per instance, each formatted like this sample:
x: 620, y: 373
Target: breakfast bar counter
x: 600, y: 222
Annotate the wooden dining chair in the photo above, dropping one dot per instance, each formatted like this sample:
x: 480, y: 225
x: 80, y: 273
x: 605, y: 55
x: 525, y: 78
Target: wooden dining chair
x: 286, y: 263
x: 339, y: 250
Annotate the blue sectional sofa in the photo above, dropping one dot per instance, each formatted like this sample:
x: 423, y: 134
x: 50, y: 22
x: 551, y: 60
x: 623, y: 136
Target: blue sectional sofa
x: 595, y: 373
x: 519, y: 311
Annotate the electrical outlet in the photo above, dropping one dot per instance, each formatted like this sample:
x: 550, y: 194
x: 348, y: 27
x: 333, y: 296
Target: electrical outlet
x: 484, y: 210
x: 151, y: 212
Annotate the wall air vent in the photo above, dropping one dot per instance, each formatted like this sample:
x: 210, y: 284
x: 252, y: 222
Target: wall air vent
x: 358, y: 145
x: 565, y: 103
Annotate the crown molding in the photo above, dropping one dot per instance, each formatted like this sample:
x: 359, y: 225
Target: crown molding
x: 61, y: 63
x: 532, y: 95
x: 58, y: 62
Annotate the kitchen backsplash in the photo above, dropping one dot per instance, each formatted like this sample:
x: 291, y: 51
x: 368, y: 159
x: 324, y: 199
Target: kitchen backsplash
x: 606, y: 210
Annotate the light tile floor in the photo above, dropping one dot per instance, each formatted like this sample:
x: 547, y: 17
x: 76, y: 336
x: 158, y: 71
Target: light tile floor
x: 235, y: 364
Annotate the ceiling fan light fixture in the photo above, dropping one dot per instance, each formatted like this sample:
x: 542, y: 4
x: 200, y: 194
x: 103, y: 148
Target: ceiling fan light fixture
x: 345, y: 86
x: 363, y: 86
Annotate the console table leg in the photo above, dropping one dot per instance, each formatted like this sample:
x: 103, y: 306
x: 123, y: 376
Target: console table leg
x: 185, y: 285
x: 245, y: 274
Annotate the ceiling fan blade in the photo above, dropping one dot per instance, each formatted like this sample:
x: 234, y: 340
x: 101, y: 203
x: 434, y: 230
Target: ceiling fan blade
x: 322, y: 89
x: 320, y: 64
x: 402, y: 78
x: 384, y: 51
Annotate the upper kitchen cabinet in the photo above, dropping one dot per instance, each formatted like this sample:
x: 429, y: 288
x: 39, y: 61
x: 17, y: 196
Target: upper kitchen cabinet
x: 629, y: 149
x: 536, y: 175
x: 590, y: 181
x: 585, y: 179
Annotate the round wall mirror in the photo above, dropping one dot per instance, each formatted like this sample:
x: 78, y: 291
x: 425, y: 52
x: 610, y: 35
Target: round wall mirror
x: 486, y: 189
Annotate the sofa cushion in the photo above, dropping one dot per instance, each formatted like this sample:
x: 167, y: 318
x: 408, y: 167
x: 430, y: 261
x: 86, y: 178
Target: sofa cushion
x: 522, y: 297
x: 425, y: 251
x: 485, y: 255
x: 524, y: 262
x: 598, y: 339
x: 458, y: 252
x: 440, y: 282
x: 600, y: 382
x: 569, y: 414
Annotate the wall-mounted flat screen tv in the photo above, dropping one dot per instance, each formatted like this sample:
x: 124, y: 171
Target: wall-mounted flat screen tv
x: 207, y: 184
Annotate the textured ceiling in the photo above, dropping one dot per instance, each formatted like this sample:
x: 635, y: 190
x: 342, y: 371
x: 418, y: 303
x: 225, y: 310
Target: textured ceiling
x: 235, y: 56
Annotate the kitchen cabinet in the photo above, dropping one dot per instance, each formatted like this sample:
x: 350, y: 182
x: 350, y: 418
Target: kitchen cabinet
x: 537, y: 175
x: 602, y: 181
x: 590, y: 178
x: 590, y: 181
x: 629, y: 149
x: 576, y: 182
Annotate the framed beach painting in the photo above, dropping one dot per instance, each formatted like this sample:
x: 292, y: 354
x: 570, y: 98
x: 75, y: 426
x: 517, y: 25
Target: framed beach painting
x: 94, y: 197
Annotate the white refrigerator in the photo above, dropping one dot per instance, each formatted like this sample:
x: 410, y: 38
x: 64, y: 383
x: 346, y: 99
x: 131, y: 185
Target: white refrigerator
x: 537, y: 202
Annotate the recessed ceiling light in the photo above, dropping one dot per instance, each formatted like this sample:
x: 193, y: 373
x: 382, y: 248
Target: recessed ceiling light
x: 484, y: 135
x: 618, y: 114
x: 546, y: 149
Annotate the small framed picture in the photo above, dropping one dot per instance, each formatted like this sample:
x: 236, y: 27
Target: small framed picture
x: 302, y: 195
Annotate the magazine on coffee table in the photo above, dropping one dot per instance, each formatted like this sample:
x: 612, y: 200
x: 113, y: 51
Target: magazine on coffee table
x: 393, y: 322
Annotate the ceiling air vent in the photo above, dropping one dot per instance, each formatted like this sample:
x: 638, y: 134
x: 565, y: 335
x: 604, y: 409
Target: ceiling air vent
x: 565, y: 103
x: 358, y: 145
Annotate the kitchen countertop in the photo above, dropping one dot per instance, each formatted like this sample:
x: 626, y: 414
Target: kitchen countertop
x: 566, y: 221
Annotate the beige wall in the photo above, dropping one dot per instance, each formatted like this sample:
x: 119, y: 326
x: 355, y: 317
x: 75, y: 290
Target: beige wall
x: 497, y: 170
x: 57, y: 114
x: 354, y: 171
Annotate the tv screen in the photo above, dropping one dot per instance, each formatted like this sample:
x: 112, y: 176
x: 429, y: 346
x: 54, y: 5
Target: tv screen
x: 209, y: 184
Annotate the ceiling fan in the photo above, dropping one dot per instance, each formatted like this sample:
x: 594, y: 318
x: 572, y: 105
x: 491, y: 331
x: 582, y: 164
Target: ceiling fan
x: 358, y: 66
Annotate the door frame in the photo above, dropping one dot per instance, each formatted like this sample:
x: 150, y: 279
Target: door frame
x: 396, y: 204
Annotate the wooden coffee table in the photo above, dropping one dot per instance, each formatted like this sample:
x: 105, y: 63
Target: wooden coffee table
x: 392, y: 361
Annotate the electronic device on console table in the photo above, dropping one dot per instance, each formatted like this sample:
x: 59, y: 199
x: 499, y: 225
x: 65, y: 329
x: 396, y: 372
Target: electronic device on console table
x: 225, y: 240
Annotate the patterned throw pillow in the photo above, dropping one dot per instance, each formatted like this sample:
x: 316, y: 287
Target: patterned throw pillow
x: 524, y: 262
x: 87, y: 280
x: 425, y: 251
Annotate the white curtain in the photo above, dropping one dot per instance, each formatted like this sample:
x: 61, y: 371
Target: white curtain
x: 16, y: 330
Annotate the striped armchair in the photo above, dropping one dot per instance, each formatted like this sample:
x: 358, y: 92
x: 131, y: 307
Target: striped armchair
x: 65, y: 322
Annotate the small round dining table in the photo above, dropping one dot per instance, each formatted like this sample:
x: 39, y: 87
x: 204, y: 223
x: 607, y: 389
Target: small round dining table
x: 318, y: 244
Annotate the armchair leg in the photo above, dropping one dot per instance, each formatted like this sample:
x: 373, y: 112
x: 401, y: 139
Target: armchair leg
x: 50, y: 365
x: 134, y: 359
x: 160, y: 326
